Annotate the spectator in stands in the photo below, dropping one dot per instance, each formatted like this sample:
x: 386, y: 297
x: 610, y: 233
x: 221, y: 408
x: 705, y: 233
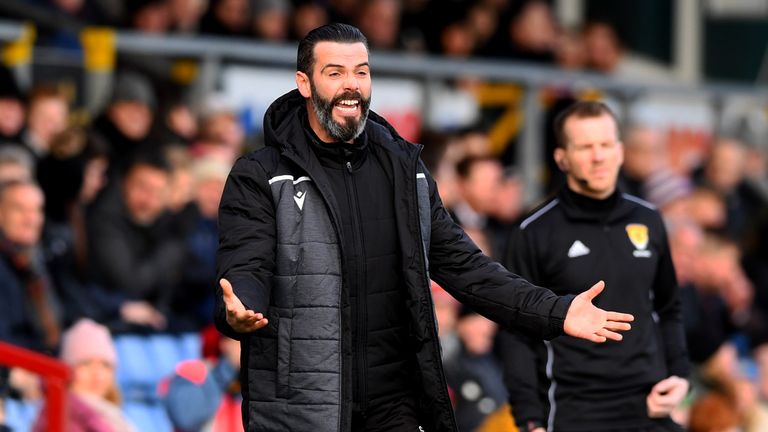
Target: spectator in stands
x: 715, y: 412
x: 606, y: 54
x: 135, y: 249
x: 205, y: 395
x: 221, y: 134
x: 29, y: 309
x: 473, y: 372
x: 15, y: 164
x: 12, y: 111
x: 529, y: 35
x: 196, y: 301
x: 271, y: 20
x: 126, y: 122
x: 47, y: 115
x: 71, y: 175
x: 178, y: 124
x: 149, y: 16
x: 588, y: 227
x: 227, y: 18
x: 306, y: 16
x: 93, y: 400
x: 570, y: 51
x: 379, y: 20
x: 724, y: 173
x: 185, y: 15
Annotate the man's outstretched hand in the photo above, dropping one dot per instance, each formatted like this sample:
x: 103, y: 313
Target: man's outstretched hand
x: 241, y: 320
x: 586, y: 321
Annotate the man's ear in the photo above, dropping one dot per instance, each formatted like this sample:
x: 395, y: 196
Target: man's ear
x: 302, y: 83
x: 560, y: 160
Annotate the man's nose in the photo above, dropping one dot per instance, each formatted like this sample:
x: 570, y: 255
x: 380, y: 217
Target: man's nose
x: 351, y: 83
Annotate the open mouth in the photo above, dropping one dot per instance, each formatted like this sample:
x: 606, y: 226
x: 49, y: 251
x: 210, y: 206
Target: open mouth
x: 347, y: 106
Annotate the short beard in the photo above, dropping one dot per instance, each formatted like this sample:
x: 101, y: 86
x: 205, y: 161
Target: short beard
x: 351, y: 128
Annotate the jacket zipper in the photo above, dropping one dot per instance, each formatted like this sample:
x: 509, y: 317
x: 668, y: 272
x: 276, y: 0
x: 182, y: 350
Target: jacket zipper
x: 426, y: 281
x: 360, y: 316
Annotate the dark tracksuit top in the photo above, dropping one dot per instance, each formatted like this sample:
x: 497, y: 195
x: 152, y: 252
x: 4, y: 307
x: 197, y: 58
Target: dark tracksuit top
x: 568, y: 244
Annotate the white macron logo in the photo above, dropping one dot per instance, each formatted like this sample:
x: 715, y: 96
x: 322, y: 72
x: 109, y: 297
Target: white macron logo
x: 577, y: 249
x: 299, y: 198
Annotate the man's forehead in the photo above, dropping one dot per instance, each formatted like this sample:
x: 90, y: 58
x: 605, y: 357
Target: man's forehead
x: 341, y: 53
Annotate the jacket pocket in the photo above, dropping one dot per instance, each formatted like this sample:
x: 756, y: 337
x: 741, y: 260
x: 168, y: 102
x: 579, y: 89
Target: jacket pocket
x: 283, y: 357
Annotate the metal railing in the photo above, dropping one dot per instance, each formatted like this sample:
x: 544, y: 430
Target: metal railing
x: 212, y: 51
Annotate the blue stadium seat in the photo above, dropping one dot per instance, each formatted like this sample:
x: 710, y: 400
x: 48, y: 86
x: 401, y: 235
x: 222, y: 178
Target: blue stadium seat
x: 148, y: 417
x: 20, y: 415
x: 190, y: 346
x: 135, y: 370
x: 164, y: 354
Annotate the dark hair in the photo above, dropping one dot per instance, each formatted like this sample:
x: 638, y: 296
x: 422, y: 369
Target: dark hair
x: 464, y: 166
x: 336, y: 32
x: 580, y: 109
x: 153, y: 158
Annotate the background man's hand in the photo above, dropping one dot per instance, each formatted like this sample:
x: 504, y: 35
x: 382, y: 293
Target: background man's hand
x: 241, y: 320
x: 666, y: 395
x: 586, y: 321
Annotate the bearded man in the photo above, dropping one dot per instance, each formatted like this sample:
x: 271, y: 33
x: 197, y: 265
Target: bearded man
x: 328, y: 239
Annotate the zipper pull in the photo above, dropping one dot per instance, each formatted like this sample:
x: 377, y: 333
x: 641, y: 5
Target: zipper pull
x: 349, y: 167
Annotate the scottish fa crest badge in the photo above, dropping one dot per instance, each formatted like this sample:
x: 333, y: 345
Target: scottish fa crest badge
x: 638, y: 235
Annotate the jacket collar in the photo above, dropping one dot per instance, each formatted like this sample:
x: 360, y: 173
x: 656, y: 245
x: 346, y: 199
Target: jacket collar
x: 579, y: 207
x: 283, y: 129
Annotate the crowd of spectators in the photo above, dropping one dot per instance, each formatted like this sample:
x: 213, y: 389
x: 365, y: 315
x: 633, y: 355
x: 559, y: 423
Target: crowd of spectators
x: 115, y: 220
x: 524, y: 30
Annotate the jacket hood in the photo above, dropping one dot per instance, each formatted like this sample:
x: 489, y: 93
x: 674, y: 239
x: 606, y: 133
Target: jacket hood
x: 283, y: 128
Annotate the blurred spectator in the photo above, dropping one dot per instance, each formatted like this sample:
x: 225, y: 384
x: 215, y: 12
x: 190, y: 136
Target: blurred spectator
x: 474, y: 373
x: 457, y: 40
x: 29, y: 308
x: 15, y: 164
x: 570, y: 51
x: 706, y: 208
x: 202, y: 239
x: 178, y: 124
x: 185, y: 15
x: 724, y: 173
x: 530, y: 34
x: 306, y: 16
x: 221, y: 134
x: 149, y: 16
x: 706, y: 319
x: 205, y: 395
x: 71, y: 176
x: 643, y: 154
x: 342, y: 11
x: 482, y: 22
x: 606, y: 54
x: 181, y: 187
x: 127, y: 120
x: 379, y: 20
x: 135, y: 249
x: 93, y: 400
x: 715, y: 412
x: 12, y: 112
x: 47, y: 115
x: 227, y: 18
x: 271, y: 19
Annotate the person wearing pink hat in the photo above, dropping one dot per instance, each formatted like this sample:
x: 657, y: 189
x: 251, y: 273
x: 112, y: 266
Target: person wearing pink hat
x: 94, y: 400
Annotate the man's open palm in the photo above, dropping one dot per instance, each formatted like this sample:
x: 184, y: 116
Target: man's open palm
x: 241, y: 320
x: 586, y: 321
